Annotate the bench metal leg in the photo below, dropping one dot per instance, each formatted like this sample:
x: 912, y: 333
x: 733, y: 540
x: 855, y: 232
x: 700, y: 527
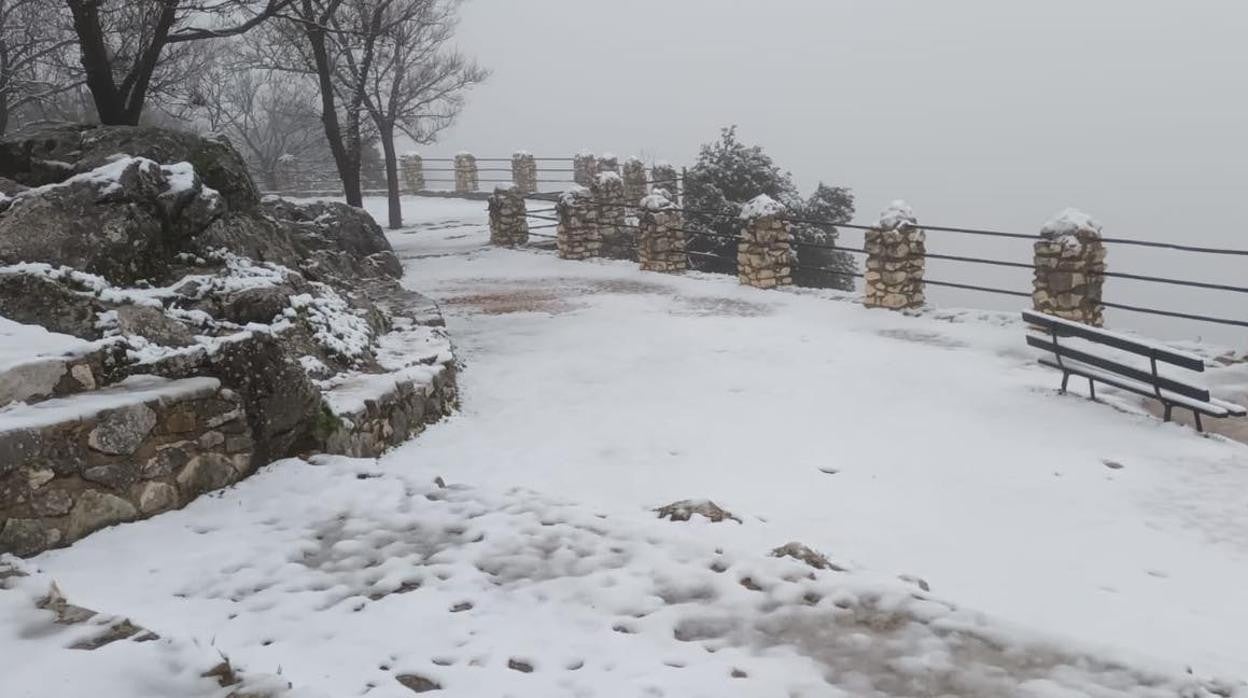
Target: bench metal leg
x: 1200, y: 428
x: 1169, y: 409
x: 1065, y: 380
x: 1092, y: 388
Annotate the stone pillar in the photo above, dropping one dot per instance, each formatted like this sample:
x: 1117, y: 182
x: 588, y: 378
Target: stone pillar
x: 661, y: 240
x: 665, y: 177
x: 524, y: 172
x: 896, y: 258
x: 764, y: 255
x: 634, y: 181
x: 584, y: 168
x: 577, y: 235
x: 619, y: 240
x: 465, y: 173
x: 608, y: 163
x: 413, y: 172
x: 1070, y: 269
x: 509, y: 223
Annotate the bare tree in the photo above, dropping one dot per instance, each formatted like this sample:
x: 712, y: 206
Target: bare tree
x: 269, y: 116
x: 124, y: 43
x: 31, y: 44
x: 417, y: 86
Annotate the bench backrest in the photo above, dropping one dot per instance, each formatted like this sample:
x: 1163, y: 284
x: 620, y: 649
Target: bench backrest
x: 1057, y: 327
x: 1066, y: 328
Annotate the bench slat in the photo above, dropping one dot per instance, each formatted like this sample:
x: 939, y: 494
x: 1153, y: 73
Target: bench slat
x: 1066, y: 328
x: 1146, y: 377
x: 1077, y: 369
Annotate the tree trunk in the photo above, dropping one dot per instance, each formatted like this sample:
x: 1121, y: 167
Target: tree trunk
x: 392, y: 175
x: 96, y: 63
x: 347, y: 165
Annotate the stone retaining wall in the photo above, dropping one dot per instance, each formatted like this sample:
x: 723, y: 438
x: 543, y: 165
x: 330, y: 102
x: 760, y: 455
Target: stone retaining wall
x: 896, y: 250
x: 577, y: 235
x: 1070, y: 269
x: 764, y: 255
x: 509, y: 224
x: 394, y: 417
x: 61, y: 481
x: 661, y: 243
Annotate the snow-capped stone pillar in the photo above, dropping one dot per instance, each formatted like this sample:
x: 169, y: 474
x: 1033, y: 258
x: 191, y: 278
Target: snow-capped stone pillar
x: 619, y: 240
x: 1070, y: 269
x: 664, y: 176
x: 584, y: 168
x: 465, y: 173
x: 524, y: 172
x: 608, y: 163
x: 413, y: 172
x: 764, y: 255
x: 577, y: 236
x: 896, y: 258
x: 509, y: 224
x: 661, y: 238
x: 634, y: 181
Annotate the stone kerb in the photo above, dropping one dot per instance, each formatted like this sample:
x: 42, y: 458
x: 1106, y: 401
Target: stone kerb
x: 764, y: 254
x: 577, y: 235
x: 619, y: 239
x: 509, y: 224
x: 896, y: 249
x: 661, y: 239
x: 466, y: 178
x: 524, y: 172
x: 634, y: 174
x: 413, y: 167
x: 584, y: 168
x: 1070, y: 269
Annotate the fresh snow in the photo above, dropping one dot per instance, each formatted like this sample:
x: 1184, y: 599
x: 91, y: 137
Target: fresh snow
x: 1071, y: 548
x: 761, y: 206
x: 134, y: 390
x: 21, y: 344
x: 1069, y: 222
x: 895, y: 215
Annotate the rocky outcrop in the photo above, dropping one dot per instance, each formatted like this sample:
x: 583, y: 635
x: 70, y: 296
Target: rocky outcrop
x: 216, y: 332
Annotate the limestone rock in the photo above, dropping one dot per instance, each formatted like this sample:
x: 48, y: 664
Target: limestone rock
x: 51, y: 155
x: 23, y: 537
x: 121, y: 431
x: 154, y: 325
x: 206, y: 472
x: 686, y: 509
x: 32, y: 300
x: 811, y: 557
x: 155, y: 497
x: 95, y: 510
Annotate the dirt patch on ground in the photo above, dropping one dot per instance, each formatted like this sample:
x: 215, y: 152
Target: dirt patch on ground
x: 628, y: 286
x: 503, y: 302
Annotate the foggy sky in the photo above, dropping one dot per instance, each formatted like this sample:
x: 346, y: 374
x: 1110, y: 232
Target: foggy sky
x: 993, y: 113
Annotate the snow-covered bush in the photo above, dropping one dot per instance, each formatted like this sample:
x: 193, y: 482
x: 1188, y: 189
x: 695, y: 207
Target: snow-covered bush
x: 727, y: 175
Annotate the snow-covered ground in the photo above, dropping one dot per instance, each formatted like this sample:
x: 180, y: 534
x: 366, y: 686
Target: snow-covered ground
x: 1057, y: 536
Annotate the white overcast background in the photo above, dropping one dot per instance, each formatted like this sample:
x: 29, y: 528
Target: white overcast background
x: 979, y: 113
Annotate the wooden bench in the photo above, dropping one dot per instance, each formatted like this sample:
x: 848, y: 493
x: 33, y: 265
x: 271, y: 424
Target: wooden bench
x: 1048, y: 331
